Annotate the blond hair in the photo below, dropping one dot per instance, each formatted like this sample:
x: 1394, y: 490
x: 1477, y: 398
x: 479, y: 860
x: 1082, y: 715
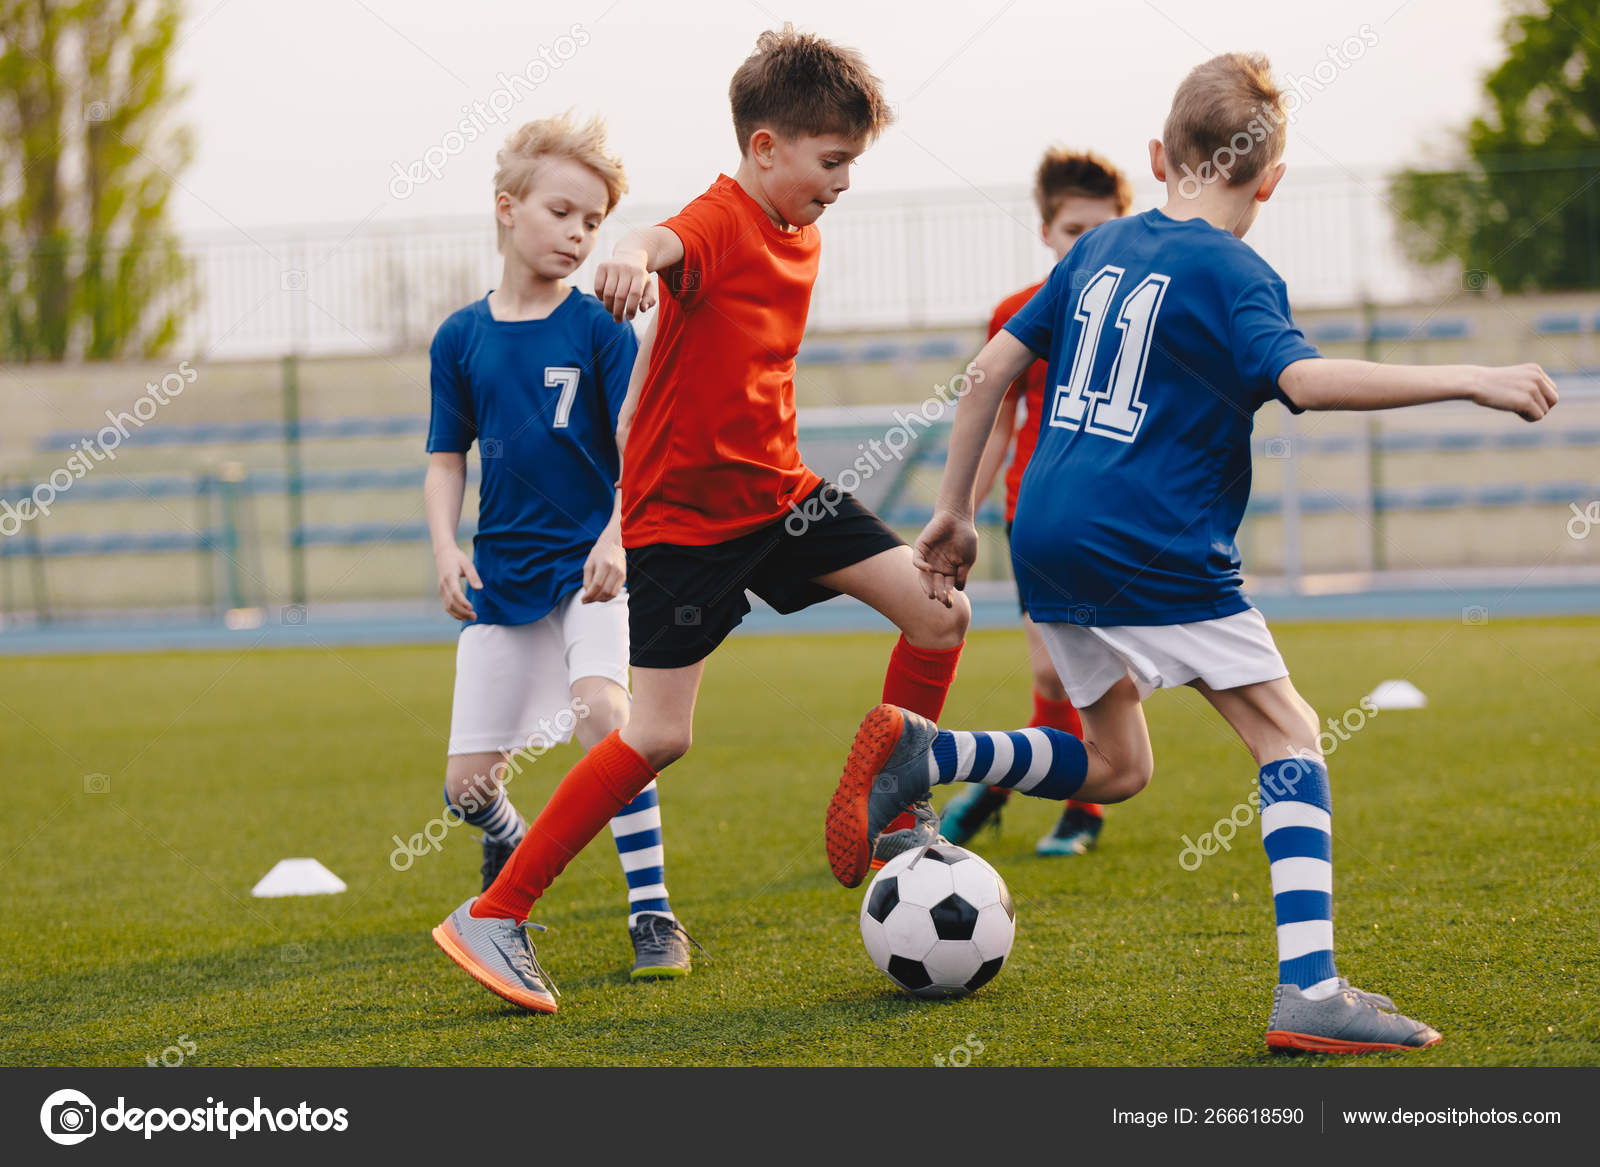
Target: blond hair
x: 1065, y: 174
x: 803, y: 86
x: 517, y: 163
x: 1227, y: 119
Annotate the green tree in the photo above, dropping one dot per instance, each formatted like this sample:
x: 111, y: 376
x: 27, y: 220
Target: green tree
x: 1524, y: 212
x: 88, y: 265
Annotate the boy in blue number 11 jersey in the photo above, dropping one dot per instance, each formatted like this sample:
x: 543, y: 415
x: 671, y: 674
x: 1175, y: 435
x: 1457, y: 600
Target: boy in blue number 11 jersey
x: 1164, y: 334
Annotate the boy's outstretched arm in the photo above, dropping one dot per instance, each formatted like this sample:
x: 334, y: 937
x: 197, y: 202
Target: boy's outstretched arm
x: 999, y: 444
x: 1325, y: 383
x: 948, y: 545
x: 630, y: 401
x: 622, y: 283
x: 606, y: 569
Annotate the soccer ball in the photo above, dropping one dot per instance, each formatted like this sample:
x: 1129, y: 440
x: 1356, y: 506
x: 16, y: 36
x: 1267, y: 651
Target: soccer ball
x: 938, y: 921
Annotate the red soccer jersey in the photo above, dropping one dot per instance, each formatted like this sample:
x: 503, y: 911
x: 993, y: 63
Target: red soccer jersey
x: 1032, y: 383
x: 713, y: 451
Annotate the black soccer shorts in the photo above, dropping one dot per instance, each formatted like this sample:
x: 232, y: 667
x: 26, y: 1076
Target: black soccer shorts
x: 684, y: 601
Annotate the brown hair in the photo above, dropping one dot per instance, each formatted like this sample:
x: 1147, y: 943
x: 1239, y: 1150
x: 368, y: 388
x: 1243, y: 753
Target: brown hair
x: 1227, y: 119
x: 558, y: 137
x: 801, y: 85
x: 1065, y: 174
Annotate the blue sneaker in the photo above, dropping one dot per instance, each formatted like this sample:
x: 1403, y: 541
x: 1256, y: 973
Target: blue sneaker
x: 886, y: 773
x: 1075, y: 834
x: 971, y: 808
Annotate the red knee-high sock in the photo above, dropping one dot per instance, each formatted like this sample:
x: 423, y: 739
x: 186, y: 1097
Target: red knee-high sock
x: 1062, y: 715
x: 919, y: 678
x: 1056, y: 715
x: 604, y: 781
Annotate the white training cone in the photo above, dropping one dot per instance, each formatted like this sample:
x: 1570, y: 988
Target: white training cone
x: 298, y: 877
x: 1397, y: 695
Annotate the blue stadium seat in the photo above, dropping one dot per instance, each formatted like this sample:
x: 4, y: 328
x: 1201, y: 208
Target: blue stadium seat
x: 939, y: 348
x: 1558, y: 324
x: 1453, y: 329
x: 358, y: 534
x: 1404, y: 443
x: 1501, y: 495
x: 115, y: 543
x: 821, y: 354
x: 1335, y: 331
x: 262, y: 430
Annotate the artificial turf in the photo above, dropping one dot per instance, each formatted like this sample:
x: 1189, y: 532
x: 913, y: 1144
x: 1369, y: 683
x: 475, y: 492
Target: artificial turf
x: 145, y: 795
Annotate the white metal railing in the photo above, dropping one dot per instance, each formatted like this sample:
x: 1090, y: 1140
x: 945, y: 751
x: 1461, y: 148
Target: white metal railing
x: 928, y: 259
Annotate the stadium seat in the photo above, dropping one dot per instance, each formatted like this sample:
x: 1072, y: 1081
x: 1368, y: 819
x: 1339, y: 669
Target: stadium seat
x: 1558, y: 324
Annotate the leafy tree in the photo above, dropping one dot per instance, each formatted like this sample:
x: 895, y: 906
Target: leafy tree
x: 1525, y: 211
x: 88, y: 265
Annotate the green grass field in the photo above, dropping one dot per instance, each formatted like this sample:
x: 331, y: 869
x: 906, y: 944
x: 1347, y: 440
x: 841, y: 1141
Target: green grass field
x: 1465, y: 850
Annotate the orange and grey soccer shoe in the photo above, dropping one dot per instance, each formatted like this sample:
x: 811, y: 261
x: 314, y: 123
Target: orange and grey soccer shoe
x: 885, y: 774
x: 1349, y: 1022
x: 499, y: 956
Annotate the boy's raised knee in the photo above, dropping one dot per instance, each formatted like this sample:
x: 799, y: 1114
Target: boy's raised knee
x: 940, y: 627
x: 659, y: 748
x: 1125, y: 782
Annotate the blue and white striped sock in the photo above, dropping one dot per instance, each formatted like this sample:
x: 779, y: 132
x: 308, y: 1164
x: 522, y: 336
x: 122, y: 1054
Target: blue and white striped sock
x: 637, y: 832
x: 1043, y: 762
x: 1297, y: 830
x: 498, y: 821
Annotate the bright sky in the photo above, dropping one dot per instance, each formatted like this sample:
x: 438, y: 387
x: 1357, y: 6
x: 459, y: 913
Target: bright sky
x: 303, y: 108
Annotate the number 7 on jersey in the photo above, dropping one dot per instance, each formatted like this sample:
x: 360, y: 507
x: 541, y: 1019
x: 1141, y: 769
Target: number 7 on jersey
x: 566, y: 380
x: 1113, y: 411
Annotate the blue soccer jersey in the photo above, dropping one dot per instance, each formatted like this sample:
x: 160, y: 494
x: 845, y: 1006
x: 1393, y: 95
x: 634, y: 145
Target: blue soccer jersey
x: 1163, y: 338
x: 540, y: 397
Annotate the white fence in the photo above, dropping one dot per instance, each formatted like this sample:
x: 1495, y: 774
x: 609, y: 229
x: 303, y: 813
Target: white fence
x: 890, y: 262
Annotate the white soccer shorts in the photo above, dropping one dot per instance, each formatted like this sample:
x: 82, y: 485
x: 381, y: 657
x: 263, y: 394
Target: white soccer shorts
x: 514, y: 681
x: 1224, y: 653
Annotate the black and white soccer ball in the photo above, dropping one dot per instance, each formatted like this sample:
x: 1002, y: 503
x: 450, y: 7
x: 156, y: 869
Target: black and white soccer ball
x: 938, y: 921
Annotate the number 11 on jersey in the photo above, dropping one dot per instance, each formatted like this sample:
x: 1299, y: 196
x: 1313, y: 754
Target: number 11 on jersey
x: 1114, y: 410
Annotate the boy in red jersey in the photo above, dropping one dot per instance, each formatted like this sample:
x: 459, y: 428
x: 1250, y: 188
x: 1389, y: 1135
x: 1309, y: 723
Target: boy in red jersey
x: 714, y: 497
x: 1075, y: 192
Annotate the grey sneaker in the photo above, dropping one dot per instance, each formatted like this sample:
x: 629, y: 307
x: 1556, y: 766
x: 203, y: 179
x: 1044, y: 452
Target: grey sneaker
x: 495, y: 856
x: 923, y: 834
x: 1351, y: 1021
x: 660, y: 948
x: 499, y: 956
x: 886, y: 773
